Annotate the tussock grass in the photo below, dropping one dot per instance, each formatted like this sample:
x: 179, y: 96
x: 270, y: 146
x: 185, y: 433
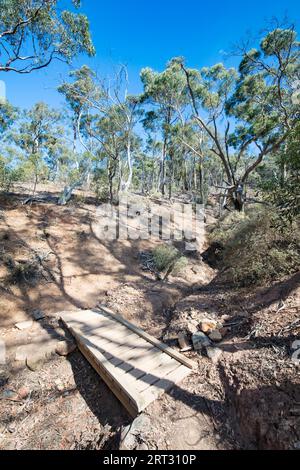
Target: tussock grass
x: 168, y: 258
x: 26, y: 272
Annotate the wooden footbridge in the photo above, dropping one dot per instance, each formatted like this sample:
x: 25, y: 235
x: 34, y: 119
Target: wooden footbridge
x: 136, y: 366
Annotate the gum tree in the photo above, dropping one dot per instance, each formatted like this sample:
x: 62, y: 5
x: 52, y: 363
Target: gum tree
x: 33, y: 33
x: 249, y: 115
x: 36, y: 134
x: 104, y: 120
x: 166, y: 95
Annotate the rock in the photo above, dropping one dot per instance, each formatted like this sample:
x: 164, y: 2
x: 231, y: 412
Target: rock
x: 59, y: 385
x: 184, y: 342
x: 11, y: 428
x: 224, y: 331
x: 207, y: 326
x: 170, y: 336
x: 9, y: 395
x: 131, y: 435
x: 200, y: 341
x: 23, y: 393
x: 21, y: 353
x: 216, y: 336
x: 196, y: 315
x: 38, y: 315
x: 192, y: 326
x: 64, y: 348
x: 214, y: 354
x: 225, y: 318
x: 142, y: 446
x: 34, y: 364
x: 297, y: 445
x: 25, y: 325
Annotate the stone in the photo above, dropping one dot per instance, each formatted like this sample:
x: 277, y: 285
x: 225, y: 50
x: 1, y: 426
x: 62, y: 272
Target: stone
x: 64, y: 348
x: 23, y: 393
x: 142, y: 446
x: 184, y: 343
x: 224, y: 331
x: 131, y: 435
x: 207, y: 326
x: 297, y: 445
x: 192, y: 326
x: 59, y: 385
x: 200, y: 341
x: 38, y: 315
x: 9, y: 395
x: 216, y: 336
x: 34, y: 364
x: 11, y: 428
x: 25, y: 325
x: 21, y: 353
x: 214, y: 354
x: 225, y: 318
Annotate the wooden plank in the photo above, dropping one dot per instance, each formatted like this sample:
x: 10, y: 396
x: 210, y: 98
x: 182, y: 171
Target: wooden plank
x: 114, y: 340
x: 136, y: 367
x: 149, y: 362
x: 172, y: 352
x: 86, y: 320
x: 136, y: 352
x: 113, y: 360
x: 139, y: 353
x: 156, y: 375
x: 123, y: 389
x: 165, y: 384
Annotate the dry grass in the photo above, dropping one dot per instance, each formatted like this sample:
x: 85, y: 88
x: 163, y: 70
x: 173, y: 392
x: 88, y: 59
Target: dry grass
x: 255, y: 248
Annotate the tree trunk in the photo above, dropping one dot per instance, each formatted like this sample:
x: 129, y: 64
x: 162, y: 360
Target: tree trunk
x: 130, y: 166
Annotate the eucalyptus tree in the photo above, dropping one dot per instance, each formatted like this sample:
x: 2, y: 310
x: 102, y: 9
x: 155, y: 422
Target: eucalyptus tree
x: 285, y: 195
x: 166, y: 94
x: 105, y: 117
x: 191, y: 153
x: 106, y: 132
x: 8, y: 114
x: 80, y: 94
x: 33, y: 33
x: 36, y: 132
x: 250, y: 114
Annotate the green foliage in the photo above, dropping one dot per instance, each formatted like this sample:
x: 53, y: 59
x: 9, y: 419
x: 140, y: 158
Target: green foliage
x: 8, y: 115
x: 33, y: 33
x: 284, y: 192
x: 9, y: 176
x: 256, y: 249
x: 167, y: 257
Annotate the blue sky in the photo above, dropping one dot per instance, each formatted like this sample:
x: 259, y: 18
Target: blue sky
x: 142, y: 33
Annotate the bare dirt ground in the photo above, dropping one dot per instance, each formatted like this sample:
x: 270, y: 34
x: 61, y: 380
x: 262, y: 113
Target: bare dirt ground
x: 250, y: 398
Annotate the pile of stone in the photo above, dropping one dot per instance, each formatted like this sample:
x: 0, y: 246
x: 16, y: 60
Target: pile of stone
x: 203, y: 337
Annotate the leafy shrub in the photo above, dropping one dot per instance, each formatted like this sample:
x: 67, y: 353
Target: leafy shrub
x: 168, y: 258
x: 8, y: 177
x: 256, y: 248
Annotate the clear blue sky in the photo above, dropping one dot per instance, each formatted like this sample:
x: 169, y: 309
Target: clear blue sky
x: 142, y: 33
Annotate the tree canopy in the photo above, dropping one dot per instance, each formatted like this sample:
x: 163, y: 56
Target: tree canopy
x: 33, y: 33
